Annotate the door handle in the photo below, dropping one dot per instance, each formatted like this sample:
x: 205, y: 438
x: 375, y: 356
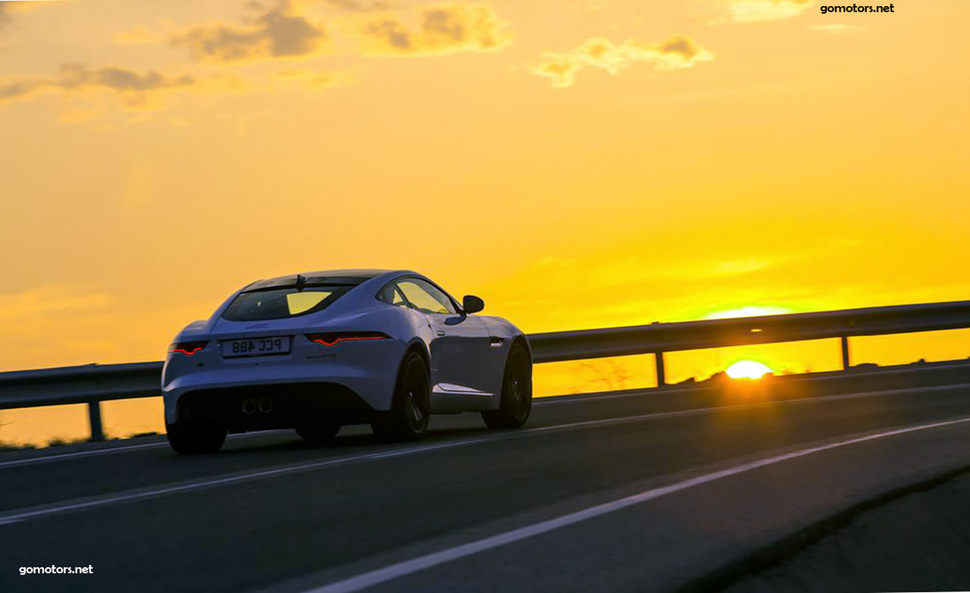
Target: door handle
x: 441, y: 332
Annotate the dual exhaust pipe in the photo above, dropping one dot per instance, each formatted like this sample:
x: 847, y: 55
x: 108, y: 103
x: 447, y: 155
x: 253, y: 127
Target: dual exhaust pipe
x: 264, y: 405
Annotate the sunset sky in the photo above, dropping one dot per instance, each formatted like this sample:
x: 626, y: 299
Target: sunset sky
x: 576, y: 163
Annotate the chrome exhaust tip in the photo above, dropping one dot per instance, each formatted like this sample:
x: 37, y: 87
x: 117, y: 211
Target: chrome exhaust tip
x: 266, y: 405
x: 249, y: 406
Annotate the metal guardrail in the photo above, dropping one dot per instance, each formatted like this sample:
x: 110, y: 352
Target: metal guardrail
x: 658, y: 338
x: 92, y: 384
x: 88, y: 384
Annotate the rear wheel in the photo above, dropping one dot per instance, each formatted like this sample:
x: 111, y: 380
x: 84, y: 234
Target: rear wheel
x: 516, y: 402
x: 192, y: 438
x: 411, y: 407
x: 318, y: 434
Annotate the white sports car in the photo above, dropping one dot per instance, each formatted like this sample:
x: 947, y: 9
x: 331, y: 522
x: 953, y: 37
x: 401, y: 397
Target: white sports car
x: 319, y: 350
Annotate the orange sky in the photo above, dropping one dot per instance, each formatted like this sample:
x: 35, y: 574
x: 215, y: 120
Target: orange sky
x: 576, y: 163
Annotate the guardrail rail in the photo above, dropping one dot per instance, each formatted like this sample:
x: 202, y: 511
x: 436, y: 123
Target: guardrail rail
x: 94, y: 383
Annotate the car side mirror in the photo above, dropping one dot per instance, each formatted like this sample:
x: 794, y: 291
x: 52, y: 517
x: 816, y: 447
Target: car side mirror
x: 472, y: 304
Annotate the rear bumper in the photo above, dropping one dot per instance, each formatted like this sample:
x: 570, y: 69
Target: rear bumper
x: 372, y: 387
x: 278, y: 405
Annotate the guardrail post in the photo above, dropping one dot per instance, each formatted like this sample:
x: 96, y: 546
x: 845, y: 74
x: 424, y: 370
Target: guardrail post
x: 661, y: 374
x: 845, y: 353
x: 94, y: 415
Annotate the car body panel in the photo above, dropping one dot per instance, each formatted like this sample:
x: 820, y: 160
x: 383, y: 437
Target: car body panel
x: 454, y: 384
x: 466, y: 360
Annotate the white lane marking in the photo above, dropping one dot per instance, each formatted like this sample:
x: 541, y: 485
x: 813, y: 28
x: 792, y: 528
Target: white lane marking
x: 127, y: 448
x: 572, y: 398
x: 17, y: 515
x: 408, y: 567
x: 739, y: 407
x: 108, y: 451
x: 588, y: 398
x: 62, y: 456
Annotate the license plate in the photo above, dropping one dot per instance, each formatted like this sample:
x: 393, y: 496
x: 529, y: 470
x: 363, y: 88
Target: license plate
x: 256, y: 347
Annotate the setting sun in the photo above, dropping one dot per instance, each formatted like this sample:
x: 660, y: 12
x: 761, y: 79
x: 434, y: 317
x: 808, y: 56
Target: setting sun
x: 747, y: 312
x: 748, y: 369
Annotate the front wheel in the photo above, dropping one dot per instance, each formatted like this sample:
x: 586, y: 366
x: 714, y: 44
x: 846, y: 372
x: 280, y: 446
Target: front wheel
x: 192, y: 438
x: 516, y: 402
x: 411, y: 407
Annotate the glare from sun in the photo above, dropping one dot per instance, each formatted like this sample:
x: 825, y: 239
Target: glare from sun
x: 748, y: 369
x: 748, y: 312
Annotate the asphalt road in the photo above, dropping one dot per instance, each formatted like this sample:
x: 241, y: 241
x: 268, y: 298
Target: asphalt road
x: 639, y: 492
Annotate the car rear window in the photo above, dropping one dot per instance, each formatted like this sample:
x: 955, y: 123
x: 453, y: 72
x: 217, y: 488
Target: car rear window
x: 280, y: 303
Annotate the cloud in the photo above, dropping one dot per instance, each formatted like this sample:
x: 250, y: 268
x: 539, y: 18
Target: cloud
x: 133, y: 87
x: 748, y: 11
x: 85, y: 88
x: 17, y: 90
x: 8, y: 7
x: 443, y: 29
x: 278, y: 33
x: 118, y: 79
x: 359, y: 5
x: 601, y: 53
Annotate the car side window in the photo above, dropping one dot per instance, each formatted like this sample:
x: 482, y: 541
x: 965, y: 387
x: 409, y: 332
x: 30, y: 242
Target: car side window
x: 391, y: 295
x: 425, y: 297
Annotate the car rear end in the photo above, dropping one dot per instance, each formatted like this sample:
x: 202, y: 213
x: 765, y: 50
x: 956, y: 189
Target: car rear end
x: 275, y: 355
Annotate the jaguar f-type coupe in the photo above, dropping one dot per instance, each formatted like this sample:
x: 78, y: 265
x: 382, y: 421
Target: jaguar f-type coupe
x: 320, y: 350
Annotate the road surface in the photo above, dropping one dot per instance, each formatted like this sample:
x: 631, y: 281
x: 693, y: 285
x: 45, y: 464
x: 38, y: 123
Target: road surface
x: 635, y: 492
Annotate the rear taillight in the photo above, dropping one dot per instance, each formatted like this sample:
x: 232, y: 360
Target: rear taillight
x: 188, y: 348
x: 334, y: 338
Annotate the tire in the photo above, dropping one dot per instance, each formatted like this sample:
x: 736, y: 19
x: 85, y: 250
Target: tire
x: 195, y: 438
x: 319, y: 434
x: 411, y: 406
x: 516, y: 402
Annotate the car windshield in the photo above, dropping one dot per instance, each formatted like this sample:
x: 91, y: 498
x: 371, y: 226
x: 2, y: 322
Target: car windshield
x: 280, y: 303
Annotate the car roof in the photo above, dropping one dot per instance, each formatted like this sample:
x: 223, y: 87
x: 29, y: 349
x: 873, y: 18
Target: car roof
x: 350, y: 277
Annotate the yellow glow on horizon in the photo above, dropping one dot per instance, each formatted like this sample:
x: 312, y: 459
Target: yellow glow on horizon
x: 753, y: 311
x: 748, y: 369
